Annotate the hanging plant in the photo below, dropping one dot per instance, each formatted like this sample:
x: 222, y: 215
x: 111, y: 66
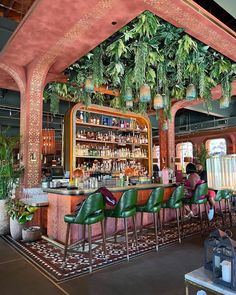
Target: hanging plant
x: 191, y: 92
x: 98, y: 67
x: 149, y: 50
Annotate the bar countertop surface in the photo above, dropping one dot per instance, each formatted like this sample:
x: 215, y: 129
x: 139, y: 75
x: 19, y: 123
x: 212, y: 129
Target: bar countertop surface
x: 78, y: 192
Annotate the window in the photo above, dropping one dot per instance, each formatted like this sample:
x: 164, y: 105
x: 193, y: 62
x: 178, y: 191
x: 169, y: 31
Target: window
x: 216, y: 147
x: 184, y: 153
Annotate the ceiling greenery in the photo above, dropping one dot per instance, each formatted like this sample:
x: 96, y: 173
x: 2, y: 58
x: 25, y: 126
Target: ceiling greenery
x: 149, y: 51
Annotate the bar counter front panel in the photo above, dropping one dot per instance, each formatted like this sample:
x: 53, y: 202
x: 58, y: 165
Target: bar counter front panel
x: 63, y: 201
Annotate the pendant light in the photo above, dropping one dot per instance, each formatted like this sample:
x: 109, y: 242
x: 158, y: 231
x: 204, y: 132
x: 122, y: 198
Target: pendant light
x: 128, y: 96
x: 165, y: 125
x: 191, y: 92
x: 224, y: 102
x: 145, y: 93
x: 158, y: 102
x: 129, y: 104
x: 89, y: 85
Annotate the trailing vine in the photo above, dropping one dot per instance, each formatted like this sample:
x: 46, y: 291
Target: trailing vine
x: 147, y: 50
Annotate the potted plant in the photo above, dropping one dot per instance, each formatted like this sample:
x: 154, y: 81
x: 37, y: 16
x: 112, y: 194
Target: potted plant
x: 19, y: 213
x: 9, y: 177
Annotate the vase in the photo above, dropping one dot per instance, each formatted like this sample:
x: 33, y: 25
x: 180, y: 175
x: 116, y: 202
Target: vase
x: 16, y: 229
x: 4, y: 218
x: 145, y: 93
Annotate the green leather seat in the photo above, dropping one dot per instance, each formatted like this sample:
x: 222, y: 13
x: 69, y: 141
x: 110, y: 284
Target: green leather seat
x: 153, y: 205
x: 175, y: 202
x: 91, y: 212
x: 225, y: 194
x: 199, y: 193
x: 200, y: 198
x: 125, y: 208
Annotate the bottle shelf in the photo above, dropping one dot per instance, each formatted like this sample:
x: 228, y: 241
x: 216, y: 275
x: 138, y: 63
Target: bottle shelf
x: 110, y: 127
x: 110, y: 142
x: 107, y: 158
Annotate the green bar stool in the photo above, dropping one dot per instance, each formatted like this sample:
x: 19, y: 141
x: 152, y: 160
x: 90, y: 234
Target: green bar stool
x: 219, y: 197
x: 200, y: 198
x: 225, y: 195
x: 125, y: 208
x: 153, y: 205
x: 175, y: 202
x: 91, y: 212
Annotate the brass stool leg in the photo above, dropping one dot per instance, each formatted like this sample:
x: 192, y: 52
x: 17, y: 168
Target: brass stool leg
x: 90, y: 246
x: 104, y: 238
x: 155, y: 227
x: 141, y: 225
x: 200, y: 215
x: 126, y: 238
x: 135, y: 231
x: 181, y: 220
x: 229, y: 210
x: 222, y: 215
x: 177, y: 218
x: 116, y: 224
x: 66, y: 244
x: 161, y: 226
x: 208, y: 222
x: 163, y: 217
x: 84, y: 229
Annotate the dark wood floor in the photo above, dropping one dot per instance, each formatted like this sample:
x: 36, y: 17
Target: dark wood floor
x: 153, y: 273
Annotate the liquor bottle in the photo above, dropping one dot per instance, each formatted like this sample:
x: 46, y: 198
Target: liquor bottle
x: 81, y: 116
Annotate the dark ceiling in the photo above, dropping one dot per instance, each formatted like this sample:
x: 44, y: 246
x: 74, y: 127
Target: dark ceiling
x: 221, y: 14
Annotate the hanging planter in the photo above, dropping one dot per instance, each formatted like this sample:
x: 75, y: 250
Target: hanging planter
x: 129, y: 104
x: 145, y: 93
x: 158, y: 102
x: 224, y: 102
x: 165, y: 125
x: 89, y: 85
x: 128, y: 96
x: 191, y: 92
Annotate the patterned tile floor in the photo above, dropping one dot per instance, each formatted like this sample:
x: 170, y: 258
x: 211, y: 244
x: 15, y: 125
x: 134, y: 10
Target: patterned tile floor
x: 48, y: 257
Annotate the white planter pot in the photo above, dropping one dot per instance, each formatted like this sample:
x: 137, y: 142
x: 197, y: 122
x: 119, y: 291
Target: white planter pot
x: 16, y: 229
x: 4, y: 218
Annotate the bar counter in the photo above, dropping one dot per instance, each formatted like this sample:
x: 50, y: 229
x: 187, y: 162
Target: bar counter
x: 63, y: 201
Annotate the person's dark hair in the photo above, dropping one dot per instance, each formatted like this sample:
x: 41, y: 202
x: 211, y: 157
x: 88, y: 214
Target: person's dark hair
x: 191, y: 168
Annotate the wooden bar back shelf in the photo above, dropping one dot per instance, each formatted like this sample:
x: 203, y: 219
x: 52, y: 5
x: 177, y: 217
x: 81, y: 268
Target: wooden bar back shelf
x: 98, y: 135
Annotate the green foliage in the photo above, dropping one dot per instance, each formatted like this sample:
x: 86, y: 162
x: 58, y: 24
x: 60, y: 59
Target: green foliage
x: 16, y: 209
x: 148, y: 50
x: 9, y: 171
x: 201, y: 155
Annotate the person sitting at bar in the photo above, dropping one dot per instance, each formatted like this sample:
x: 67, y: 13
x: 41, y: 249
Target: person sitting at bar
x: 190, y: 185
x: 210, y: 194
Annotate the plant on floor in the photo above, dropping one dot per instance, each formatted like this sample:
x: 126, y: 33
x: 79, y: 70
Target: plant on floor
x: 19, y: 211
x: 10, y: 172
x: 150, y: 51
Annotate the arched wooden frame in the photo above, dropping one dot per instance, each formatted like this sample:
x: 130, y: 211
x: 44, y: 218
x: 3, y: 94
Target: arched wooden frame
x: 102, y: 110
